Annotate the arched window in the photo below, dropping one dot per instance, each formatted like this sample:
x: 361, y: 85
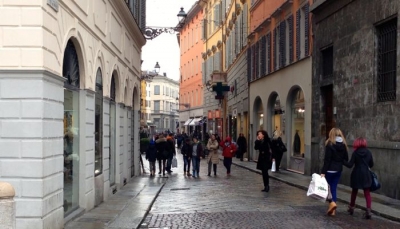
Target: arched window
x: 112, y: 130
x: 98, y: 126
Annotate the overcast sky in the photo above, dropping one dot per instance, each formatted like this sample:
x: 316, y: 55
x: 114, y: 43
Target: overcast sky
x: 164, y: 48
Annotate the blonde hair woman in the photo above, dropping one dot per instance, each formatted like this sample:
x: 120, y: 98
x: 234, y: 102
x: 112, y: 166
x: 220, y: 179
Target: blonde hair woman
x: 278, y: 148
x: 335, y: 154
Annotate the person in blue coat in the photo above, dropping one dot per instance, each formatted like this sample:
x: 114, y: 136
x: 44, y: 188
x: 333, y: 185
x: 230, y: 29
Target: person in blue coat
x: 151, y: 156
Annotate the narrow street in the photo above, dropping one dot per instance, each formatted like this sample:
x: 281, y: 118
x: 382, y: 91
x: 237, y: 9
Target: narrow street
x: 236, y: 201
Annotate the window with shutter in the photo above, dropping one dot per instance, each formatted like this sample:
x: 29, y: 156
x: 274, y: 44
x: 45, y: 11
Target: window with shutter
x: 142, y: 23
x: 282, y: 45
x: 253, y: 76
x: 298, y: 34
x: 256, y: 60
x: 204, y: 26
x: 245, y: 27
x: 290, y: 38
x: 269, y: 53
x: 248, y: 65
x: 263, y: 55
x: 276, y: 49
x: 203, y: 71
x: 222, y: 10
x: 306, y: 30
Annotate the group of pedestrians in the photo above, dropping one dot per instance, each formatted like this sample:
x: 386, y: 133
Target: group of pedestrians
x: 161, y: 149
x: 336, y: 155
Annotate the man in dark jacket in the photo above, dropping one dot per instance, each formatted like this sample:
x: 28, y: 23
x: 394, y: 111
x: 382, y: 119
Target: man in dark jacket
x: 171, y: 151
x: 162, y: 152
x: 187, y: 156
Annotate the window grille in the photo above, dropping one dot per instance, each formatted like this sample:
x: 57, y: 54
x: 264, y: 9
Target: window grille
x: 387, y: 49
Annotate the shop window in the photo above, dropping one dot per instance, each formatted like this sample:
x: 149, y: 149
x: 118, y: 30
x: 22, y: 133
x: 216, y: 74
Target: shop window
x: 98, y: 128
x: 71, y: 129
x: 112, y: 152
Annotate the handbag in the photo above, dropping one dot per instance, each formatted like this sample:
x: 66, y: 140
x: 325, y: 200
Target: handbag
x: 282, y: 146
x: 375, y: 185
x: 273, y: 167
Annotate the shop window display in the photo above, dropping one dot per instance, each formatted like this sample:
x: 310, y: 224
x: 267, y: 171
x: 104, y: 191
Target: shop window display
x: 112, y: 132
x: 298, y: 124
x: 98, y: 154
x: 71, y: 129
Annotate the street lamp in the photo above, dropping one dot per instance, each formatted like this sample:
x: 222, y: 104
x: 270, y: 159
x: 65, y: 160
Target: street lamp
x: 152, y: 32
x: 150, y: 75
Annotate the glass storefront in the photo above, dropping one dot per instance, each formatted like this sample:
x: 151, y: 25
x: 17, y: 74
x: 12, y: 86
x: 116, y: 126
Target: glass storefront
x: 276, y: 117
x: 112, y: 132
x: 71, y: 129
x: 298, y: 124
x: 98, y: 153
x: 71, y: 150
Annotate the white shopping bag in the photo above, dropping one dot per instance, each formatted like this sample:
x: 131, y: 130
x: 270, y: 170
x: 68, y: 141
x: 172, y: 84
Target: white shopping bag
x: 273, y: 167
x: 174, y: 163
x: 318, y: 187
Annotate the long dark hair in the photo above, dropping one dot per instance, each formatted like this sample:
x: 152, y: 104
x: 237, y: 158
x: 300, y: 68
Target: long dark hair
x: 264, y: 133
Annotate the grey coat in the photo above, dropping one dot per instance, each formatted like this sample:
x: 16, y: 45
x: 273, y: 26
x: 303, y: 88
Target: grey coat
x: 213, y: 156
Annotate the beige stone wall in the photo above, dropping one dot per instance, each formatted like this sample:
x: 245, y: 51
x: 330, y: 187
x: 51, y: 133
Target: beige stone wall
x: 34, y: 36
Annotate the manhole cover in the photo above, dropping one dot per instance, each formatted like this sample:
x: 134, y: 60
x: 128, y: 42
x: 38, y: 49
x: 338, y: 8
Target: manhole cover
x: 94, y: 220
x: 179, y: 189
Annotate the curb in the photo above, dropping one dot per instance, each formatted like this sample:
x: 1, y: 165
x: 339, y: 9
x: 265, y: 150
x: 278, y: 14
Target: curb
x: 150, y: 206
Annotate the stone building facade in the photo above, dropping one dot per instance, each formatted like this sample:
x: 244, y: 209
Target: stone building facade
x: 69, y: 104
x: 279, y: 75
x: 355, y: 77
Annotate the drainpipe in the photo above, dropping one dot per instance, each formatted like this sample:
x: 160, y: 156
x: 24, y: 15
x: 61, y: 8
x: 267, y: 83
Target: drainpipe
x: 7, y: 206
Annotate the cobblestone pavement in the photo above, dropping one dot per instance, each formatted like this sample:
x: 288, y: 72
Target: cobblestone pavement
x: 236, y: 201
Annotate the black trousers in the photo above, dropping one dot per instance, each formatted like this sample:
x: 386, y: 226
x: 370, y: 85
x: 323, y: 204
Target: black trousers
x: 214, y: 168
x: 162, y: 166
x: 278, y: 160
x: 265, y: 177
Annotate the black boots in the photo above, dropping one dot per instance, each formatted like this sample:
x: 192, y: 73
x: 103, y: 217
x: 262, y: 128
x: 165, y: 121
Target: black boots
x: 367, y: 214
x: 266, y: 189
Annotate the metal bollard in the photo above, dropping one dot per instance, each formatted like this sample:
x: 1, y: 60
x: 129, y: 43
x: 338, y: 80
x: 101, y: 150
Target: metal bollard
x: 7, y: 206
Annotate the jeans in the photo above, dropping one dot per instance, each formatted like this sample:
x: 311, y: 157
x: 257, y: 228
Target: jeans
x: 186, y: 162
x: 196, y: 166
x: 214, y: 167
x: 227, y: 164
x: 333, y: 180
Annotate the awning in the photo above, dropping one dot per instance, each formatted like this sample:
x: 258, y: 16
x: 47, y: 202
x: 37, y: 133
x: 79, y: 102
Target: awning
x: 195, y: 122
x: 187, y: 122
x: 203, y: 120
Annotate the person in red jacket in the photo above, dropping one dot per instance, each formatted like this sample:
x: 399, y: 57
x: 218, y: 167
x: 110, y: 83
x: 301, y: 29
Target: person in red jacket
x: 228, y: 150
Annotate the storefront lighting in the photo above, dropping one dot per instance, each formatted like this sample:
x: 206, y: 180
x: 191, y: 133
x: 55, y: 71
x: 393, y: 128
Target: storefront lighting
x: 261, y: 115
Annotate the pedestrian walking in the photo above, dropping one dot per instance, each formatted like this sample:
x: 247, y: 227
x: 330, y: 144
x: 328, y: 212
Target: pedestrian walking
x: 278, y: 148
x: 242, y: 146
x: 197, y: 153
x: 151, y: 156
x: 187, y: 156
x: 162, y: 153
x: 228, y: 151
x: 171, y: 151
x: 213, y: 157
x: 360, y: 178
x: 265, y: 157
x: 335, y: 155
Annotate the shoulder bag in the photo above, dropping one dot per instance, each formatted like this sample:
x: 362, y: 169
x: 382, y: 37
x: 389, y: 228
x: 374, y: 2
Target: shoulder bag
x: 375, y: 182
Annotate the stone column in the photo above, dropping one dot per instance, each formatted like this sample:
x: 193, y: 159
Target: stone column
x: 7, y: 206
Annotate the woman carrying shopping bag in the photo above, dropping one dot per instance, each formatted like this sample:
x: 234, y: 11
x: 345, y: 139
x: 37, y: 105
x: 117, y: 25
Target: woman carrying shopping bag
x: 335, y: 155
x: 263, y: 145
x: 360, y: 176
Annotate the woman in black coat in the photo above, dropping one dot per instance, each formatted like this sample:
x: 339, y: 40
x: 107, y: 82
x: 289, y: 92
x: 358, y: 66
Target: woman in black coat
x: 262, y: 144
x: 242, y: 146
x: 151, y: 156
x: 360, y: 176
x: 278, y: 148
